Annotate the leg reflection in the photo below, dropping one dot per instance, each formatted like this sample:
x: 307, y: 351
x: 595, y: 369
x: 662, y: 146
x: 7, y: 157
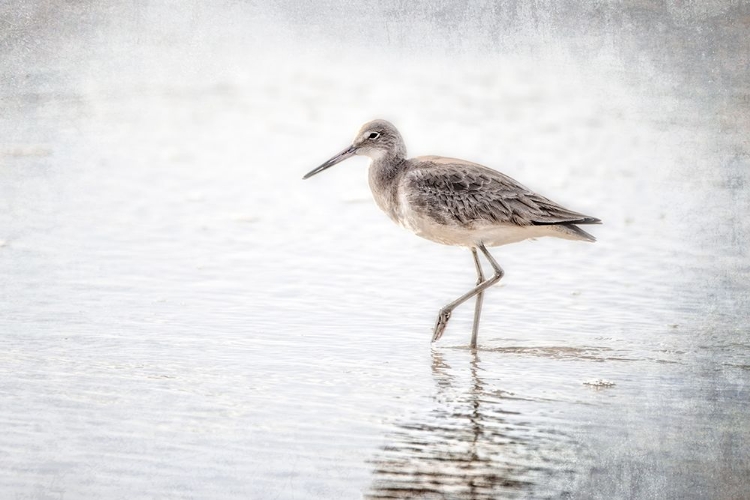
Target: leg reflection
x: 464, y: 447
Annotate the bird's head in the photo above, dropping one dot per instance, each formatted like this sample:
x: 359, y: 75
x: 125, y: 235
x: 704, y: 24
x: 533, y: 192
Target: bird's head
x: 377, y: 139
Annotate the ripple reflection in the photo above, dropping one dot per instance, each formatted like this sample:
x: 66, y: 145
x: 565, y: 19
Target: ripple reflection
x: 475, y: 442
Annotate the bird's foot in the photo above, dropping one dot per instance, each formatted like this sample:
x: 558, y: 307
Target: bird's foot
x: 442, y: 321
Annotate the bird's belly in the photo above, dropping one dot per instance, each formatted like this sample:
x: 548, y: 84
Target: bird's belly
x: 469, y: 235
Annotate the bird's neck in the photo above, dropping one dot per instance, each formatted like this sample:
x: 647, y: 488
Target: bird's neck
x: 384, y: 174
x: 384, y: 169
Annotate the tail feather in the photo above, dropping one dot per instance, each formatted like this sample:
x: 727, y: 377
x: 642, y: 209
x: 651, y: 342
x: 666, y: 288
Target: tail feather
x: 549, y: 221
x: 577, y: 232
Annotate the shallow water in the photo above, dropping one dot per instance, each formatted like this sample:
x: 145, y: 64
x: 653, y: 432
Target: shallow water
x: 183, y: 317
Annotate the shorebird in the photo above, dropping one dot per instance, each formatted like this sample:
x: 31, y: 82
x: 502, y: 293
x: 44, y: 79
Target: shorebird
x: 456, y: 202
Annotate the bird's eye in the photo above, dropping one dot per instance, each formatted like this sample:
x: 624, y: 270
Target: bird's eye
x: 373, y: 135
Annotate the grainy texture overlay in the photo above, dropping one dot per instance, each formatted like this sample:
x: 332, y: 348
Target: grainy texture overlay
x: 181, y: 316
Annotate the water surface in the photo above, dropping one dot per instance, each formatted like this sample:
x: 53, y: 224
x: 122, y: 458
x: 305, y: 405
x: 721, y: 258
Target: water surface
x: 182, y: 317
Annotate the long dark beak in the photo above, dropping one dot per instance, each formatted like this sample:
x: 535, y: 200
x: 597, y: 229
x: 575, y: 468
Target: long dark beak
x: 333, y: 161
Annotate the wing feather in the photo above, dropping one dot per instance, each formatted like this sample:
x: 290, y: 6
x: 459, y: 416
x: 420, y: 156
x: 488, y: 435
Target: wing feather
x: 446, y: 190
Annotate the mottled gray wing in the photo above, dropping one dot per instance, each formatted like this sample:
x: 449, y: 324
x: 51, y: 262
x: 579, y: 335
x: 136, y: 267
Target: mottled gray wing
x: 449, y: 190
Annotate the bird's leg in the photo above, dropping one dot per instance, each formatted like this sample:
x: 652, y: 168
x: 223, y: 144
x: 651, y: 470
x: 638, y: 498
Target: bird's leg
x: 445, y: 313
x: 480, y: 297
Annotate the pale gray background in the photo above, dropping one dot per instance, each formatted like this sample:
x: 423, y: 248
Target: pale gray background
x: 182, y: 317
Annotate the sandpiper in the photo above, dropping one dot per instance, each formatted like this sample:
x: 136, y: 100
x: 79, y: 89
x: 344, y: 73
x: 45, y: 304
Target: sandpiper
x: 456, y: 202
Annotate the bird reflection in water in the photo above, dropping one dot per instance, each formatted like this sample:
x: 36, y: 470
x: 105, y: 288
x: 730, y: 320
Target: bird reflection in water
x: 472, y: 444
